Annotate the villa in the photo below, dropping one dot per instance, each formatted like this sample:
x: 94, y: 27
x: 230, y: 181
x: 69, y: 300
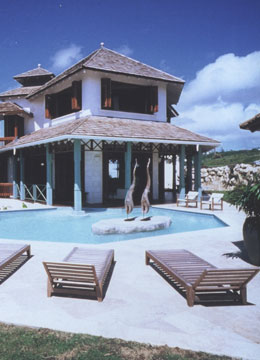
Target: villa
x: 75, y: 137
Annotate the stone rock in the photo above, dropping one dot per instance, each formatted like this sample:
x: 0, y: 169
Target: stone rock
x: 120, y: 226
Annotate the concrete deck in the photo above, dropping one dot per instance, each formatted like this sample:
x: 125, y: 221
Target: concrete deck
x: 139, y: 304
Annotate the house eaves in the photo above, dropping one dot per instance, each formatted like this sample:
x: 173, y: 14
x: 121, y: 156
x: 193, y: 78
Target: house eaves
x: 252, y: 124
x: 112, y: 129
x: 109, y: 61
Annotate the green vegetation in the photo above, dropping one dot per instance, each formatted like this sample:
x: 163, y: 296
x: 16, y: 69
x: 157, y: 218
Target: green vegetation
x: 38, y: 344
x: 246, y: 197
x: 230, y: 158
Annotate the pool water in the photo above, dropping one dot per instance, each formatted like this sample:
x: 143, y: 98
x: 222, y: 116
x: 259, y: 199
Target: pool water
x: 62, y: 225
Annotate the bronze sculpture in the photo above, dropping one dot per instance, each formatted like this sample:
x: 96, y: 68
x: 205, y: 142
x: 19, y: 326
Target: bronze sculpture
x: 145, y: 204
x: 129, y: 203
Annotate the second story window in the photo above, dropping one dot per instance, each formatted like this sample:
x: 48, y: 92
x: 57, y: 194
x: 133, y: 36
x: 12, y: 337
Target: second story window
x: 128, y: 97
x: 64, y: 102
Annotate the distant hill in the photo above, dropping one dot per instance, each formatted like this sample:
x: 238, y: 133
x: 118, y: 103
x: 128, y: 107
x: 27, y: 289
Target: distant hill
x: 230, y: 158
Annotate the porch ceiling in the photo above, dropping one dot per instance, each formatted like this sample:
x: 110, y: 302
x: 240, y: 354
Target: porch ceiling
x: 110, y: 129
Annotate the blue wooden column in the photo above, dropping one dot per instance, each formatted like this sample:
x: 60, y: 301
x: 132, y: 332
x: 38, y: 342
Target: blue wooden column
x: 49, y: 176
x: 77, y: 176
x: 189, y: 172
x: 197, y: 163
x: 15, y: 190
x: 128, y: 160
x: 22, y: 189
x: 181, y: 164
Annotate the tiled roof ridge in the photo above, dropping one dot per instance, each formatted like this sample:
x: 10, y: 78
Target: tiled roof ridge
x: 142, y: 63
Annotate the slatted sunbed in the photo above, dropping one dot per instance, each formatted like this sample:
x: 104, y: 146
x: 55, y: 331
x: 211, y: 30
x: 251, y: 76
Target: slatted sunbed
x: 10, y: 252
x: 197, y: 276
x: 82, y: 273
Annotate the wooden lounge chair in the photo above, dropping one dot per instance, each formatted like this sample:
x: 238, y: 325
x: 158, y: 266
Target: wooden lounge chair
x: 197, y: 276
x: 190, y: 198
x: 82, y: 273
x: 10, y: 252
x: 215, y: 199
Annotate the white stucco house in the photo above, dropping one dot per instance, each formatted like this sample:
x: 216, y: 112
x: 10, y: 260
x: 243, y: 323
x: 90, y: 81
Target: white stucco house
x: 75, y: 137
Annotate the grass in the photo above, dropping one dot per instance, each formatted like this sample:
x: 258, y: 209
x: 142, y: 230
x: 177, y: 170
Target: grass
x: 43, y: 344
x: 230, y: 158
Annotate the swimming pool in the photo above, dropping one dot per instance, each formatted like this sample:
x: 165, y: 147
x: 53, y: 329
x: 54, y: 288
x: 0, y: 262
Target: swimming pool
x: 62, y: 225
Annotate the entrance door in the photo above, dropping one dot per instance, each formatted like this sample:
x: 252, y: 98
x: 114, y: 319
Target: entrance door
x: 141, y: 175
x: 64, y: 177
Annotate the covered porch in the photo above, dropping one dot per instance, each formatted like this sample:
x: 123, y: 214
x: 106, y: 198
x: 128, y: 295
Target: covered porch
x: 91, y: 160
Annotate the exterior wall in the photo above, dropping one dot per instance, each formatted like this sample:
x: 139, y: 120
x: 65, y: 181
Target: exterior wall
x: 91, y: 96
x: 93, y: 176
x: 37, y: 108
x: 91, y: 100
x: 227, y: 177
x: 155, y: 176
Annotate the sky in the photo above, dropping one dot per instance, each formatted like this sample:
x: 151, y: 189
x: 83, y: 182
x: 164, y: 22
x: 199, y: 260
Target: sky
x: 214, y: 45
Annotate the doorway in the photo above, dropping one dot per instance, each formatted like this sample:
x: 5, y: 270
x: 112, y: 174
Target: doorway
x: 64, y: 178
x: 141, y: 175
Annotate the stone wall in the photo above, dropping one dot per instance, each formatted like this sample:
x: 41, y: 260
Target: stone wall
x: 226, y: 177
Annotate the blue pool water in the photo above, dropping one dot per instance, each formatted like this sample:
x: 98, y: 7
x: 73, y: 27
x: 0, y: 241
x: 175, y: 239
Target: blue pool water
x: 61, y: 225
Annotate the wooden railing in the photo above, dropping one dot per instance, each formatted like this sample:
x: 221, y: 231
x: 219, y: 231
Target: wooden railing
x: 6, y: 189
x: 35, y: 192
x: 7, y: 139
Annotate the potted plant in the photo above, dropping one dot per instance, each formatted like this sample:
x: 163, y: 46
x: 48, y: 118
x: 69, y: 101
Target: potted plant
x: 247, y: 198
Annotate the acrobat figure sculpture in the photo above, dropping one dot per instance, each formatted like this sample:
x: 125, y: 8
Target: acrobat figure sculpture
x: 129, y: 203
x: 145, y: 204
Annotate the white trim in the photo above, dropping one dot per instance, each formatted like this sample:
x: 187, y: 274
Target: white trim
x: 71, y: 137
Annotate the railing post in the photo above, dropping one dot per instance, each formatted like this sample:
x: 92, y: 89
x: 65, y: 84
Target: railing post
x: 22, y: 189
x: 34, y: 193
x: 77, y: 176
x: 49, y: 182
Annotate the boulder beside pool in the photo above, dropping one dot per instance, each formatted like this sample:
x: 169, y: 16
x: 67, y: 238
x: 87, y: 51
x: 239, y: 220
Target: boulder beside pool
x: 120, y: 226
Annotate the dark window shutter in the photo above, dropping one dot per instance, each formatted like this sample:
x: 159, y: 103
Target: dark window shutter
x: 76, y: 96
x: 153, y: 99
x: 106, y: 102
x: 48, y: 103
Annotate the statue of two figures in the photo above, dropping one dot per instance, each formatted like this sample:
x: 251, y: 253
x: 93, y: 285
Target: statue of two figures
x: 145, y: 204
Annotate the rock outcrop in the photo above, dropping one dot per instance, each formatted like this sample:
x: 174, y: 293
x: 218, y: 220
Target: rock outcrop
x: 227, y: 177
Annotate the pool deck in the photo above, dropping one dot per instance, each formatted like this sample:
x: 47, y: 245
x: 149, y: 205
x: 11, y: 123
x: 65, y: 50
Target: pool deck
x: 140, y: 305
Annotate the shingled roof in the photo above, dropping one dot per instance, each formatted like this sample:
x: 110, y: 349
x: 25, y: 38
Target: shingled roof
x: 252, y: 124
x: 106, y: 128
x: 111, y: 61
x: 21, y: 91
x: 39, y: 71
x: 9, y: 108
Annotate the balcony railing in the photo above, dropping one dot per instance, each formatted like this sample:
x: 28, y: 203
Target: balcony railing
x: 6, y: 189
x: 35, y: 192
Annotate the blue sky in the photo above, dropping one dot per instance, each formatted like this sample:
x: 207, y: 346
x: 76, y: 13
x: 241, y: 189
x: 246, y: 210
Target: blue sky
x: 214, y: 45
